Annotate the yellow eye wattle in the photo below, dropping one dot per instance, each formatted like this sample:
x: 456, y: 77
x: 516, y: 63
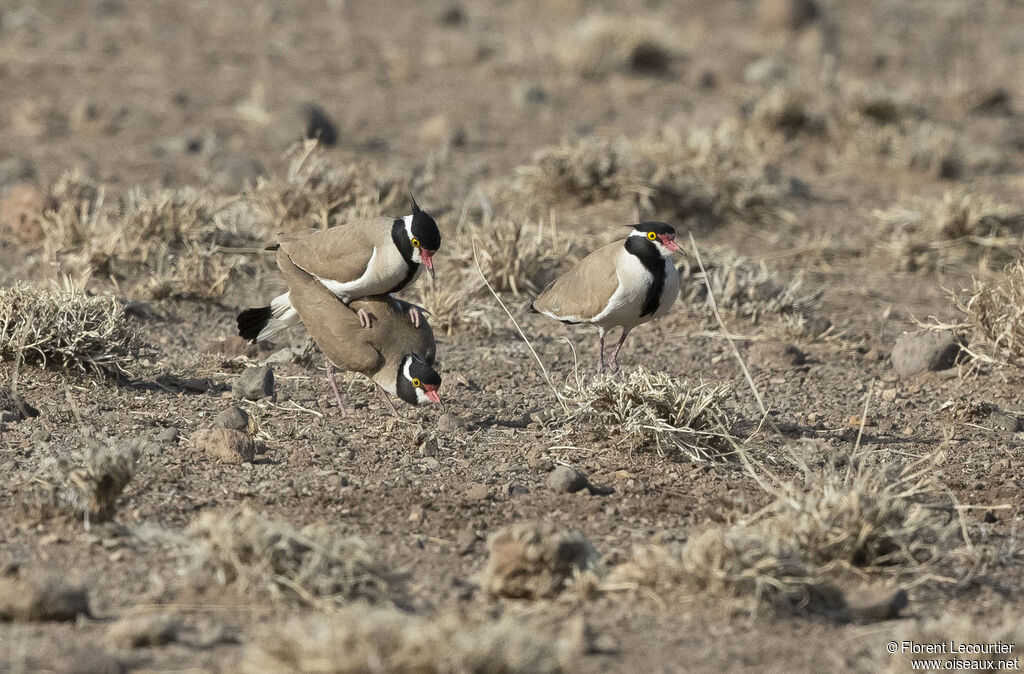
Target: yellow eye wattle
x: 415, y: 242
x: 652, y: 236
x: 415, y: 382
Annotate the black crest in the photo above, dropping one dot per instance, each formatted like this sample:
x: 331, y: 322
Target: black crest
x: 424, y: 228
x: 658, y: 228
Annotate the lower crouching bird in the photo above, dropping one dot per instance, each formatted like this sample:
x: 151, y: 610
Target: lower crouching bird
x: 395, y: 353
x: 623, y: 284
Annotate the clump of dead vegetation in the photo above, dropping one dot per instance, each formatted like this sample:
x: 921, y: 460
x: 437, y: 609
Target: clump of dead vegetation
x: 963, y: 227
x: 66, y: 328
x: 90, y: 487
x: 868, y: 519
x: 534, y: 560
x: 515, y: 256
x: 316, y: 192
x: 993, y: 311
x: 747, y: 288
x: 365, y: 640
x: 708, y: 173
x: 651, y: 410
x: 602, y: 44
x: 962, y: 629
x: 313, y: 566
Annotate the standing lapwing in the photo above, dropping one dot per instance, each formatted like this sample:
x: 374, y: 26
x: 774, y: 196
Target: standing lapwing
x: 378, y: 256
x: 395, y: 353
x: 622, y: 284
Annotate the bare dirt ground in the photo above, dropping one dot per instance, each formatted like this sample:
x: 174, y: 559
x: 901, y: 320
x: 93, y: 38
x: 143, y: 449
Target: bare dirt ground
x: 863, y: 158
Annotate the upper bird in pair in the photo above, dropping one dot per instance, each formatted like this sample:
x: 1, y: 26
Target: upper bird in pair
x: 339, y: 285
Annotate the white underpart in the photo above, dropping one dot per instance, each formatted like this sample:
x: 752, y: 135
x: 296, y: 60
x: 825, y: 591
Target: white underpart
x: 284, y: 317
x: 626, y: 303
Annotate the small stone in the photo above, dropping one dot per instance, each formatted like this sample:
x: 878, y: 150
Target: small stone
x: 449, y: 423
x: 535, y: 459
x: 874, y: 604
x: 774, y: 354
x: 517, y: 490
x: 318, y: 125
x: 227, y: 446
x: 708, y: 80
x: 233, y: 418
x: 168, y: 435
x: 477, y: 492
x: 787, y: 14
x: 21, y: 212
x: 990, y: 517
x: 454, y: 15
x: 41, y: 598
x: 254, y: 383
x: 280, y: 357
x: 566, y: 480
x: 144, y: 631
x: 532, y: 94
x: 1005, y: 421
x: 924, y: 351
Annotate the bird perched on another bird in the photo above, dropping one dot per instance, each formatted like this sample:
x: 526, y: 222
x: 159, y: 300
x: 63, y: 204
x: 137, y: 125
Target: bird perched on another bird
x: 623, y: 284
x: 378, y: 256
x: 396, y: 354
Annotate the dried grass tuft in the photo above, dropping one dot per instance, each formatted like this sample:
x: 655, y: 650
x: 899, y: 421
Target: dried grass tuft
x: 602, y: 44
x: 92, y: 490
x: 994, y: 311
x: 533, y: 560
x: 713, y: 174
x: 872, y: 519
x: 748, y: 289
x: 256, y: 555
x: 359, y: 639
x: 653, y: 410
x: 316, y: 192
x: 964, y: 227
x: 67, y: 329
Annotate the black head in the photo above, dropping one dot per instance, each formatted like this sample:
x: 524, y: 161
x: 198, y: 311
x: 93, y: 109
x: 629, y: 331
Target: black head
x: 417, y: 382
x: 662, y: 236
x: 424, y: 230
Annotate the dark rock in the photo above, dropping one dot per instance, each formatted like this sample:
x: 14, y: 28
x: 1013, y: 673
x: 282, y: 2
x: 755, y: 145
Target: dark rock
x: 14, y: 408
x: 227, y: 446
x: 318, y: 125
x: 924, y: 351
x: 870, y: 605
x: 455, y: 15
x: 43, y: 598
x: 774, y: 354
x: 1005, y: 421
x: 233, y: 418
x: 255, y: 383
x: 566, y: 480
x: 799, y: 189
x: 708, y: 80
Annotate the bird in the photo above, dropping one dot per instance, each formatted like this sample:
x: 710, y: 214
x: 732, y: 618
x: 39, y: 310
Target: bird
x: 393, y: 352
x: 623, y: 284
x: 377, y: 256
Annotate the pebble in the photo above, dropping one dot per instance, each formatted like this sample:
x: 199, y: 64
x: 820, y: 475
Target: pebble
x: 924, y: 351
x: 566, y: 480
x: 774, y: 354
x: 477, y: 492
x: 227, y: 446
x: 448, y: 423
x: 254, y: 383
x: 233, y: 418
x: 168, y: 435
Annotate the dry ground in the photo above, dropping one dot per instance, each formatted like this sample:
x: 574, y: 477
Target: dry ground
x: 839, y: 170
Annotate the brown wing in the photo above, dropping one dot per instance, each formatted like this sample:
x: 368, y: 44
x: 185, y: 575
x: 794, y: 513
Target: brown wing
x: 393, y: 332
x: 583, y: 292
x: 339, y: 253
x: 333, y: 326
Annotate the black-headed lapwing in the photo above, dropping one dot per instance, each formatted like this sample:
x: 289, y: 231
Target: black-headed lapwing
x: 623, y: 284
x: 378, y: 256
x: 396, y: 354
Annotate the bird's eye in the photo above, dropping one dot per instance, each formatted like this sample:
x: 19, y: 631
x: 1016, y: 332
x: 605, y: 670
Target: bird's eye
x: 415, y: 382
x: 652, y: 236
x: 415, y: 242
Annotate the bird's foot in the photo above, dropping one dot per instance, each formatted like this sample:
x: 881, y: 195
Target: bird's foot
x: 415, y: 315
x: 365, y: 319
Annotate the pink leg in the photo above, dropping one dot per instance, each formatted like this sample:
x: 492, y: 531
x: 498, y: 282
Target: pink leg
x: 386, y: 398
x: 365, y: 319
x: 614, y: 365
x: 414, y: 314
x: 334, y: 387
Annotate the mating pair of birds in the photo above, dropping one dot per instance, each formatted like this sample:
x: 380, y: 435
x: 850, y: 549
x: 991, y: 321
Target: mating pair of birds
x: 341, y: 281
